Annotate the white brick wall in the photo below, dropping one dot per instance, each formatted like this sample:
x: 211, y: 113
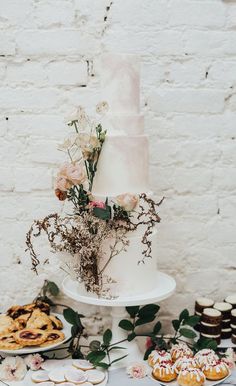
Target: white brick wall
x: 48, y: 56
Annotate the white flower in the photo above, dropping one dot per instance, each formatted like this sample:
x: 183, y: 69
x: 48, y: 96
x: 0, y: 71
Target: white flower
x: 13, y: 369
x: 127, y: 201
x: 76, y: 115
x: 102, y: 107
x: 34, y: 361
x: 137, y: 370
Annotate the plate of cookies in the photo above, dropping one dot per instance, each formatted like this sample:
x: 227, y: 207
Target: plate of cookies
x: 32, y: 328
x: 180, y: 367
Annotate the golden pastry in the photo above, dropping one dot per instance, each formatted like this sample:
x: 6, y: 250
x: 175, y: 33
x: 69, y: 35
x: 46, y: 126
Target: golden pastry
x: 191, y: 377
x: 180, y: 350
x: 53, y: 336
x: 205, y: 356
x: 39, y: 319
x: 30, y: 337
x: 56, y: 322
x: 215, y: 370
x: 16, y: 311
x: 185, y: 362
x: 7, y: 324
x: 164, y: 371
x: 21, y: 321
x: 8, y: 342
x: 158, y: 356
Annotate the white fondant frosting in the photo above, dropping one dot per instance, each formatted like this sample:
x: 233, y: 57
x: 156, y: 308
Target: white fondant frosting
x: 211, y: 312
x: 231, y: 299
x: 123, y: 124
x: 122, y: 166
x: 120, y: 81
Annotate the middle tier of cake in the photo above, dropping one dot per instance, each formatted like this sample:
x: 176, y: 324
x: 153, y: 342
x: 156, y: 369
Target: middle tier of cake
x: 122, y: 166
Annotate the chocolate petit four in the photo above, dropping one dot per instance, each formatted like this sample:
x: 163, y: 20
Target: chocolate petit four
x: 231, y: 299
x: 211, y: 316
x: 202, y: 303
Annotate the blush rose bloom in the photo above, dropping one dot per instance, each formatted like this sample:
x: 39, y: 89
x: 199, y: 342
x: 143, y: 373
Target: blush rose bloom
x: 62, y: 184
x: 87, y: 144
x: 13, y: 369
x: 34, y: 361
x: 127, y: 201
x: 137, y: 370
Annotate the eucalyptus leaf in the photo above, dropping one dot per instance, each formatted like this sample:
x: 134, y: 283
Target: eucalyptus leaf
x: 94, y: 345
x: 157, y: 328
x: 149, y: 309
x: 132, y: 310
x: 192, y: 320
x: 144, y: 320
x: 183, y: 315
x: 107, y: 336
x: 53, y: 288
x: 126, y: 325
x: 176, y: 324
x: 131, y: 336
x: 187, y: 333
x: 70, y: 315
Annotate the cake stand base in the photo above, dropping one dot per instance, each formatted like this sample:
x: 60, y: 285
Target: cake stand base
x: 165, y: 288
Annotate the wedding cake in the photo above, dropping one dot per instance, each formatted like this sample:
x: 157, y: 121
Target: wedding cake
x: 107, y: 241
x: 123, y: 168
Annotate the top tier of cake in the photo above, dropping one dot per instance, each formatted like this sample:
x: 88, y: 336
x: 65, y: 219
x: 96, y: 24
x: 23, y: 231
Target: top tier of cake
x: 123, y: 163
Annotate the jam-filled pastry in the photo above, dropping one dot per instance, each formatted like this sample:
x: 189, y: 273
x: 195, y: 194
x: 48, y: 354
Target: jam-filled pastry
x: 30, y: 337
x: 53, y: 336
x: 16, y: 311
x: 21, y: 321
x: 8, y: 342
x: 56, y: 322
x: 39, y: 319
x: 7, y: 324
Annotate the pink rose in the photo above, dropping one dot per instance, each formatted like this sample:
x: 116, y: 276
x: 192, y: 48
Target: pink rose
x: 34, y: 361
x: 73, y: 172
x: 127, y: 201
x: 62, y: 184
x: 137, y: 370
x: 97, y: 204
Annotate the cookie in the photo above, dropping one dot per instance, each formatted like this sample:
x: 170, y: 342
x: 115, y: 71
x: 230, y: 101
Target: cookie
x: 30, y: 337
x: 39, y: 319
x: 56, y: 322
x: 8, y: 342
x: 53, y: 336
x: 7, y: 324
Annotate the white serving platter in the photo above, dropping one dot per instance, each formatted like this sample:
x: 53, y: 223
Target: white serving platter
x: 33, y: 349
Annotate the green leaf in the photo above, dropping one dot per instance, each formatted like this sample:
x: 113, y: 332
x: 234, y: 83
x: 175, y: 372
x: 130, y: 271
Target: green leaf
x: 70, y: 316
x: 103, y: 365
x: 96, y: 356
x: 206, y: 343
x: 192, y: 320
x: 176, y: 324
x: 183, y: 315
x: 119, y: 359
x: 144, y: 320
x: 187, y: 333
x: 117, y: 348
x: 53, y: 288
x: 126, y: 325
x: 94, y: 345
x: 131, y: 336
x: 149, y: 309
x: 148, y: 352
x: 161, y: 344
x: 132, y: 311
x: 157, y: 327
x: 107, y: 336
x: 103, y: 214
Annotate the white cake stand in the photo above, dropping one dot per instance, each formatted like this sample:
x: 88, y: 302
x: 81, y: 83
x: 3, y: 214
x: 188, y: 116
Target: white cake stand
x: 165, y: 287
